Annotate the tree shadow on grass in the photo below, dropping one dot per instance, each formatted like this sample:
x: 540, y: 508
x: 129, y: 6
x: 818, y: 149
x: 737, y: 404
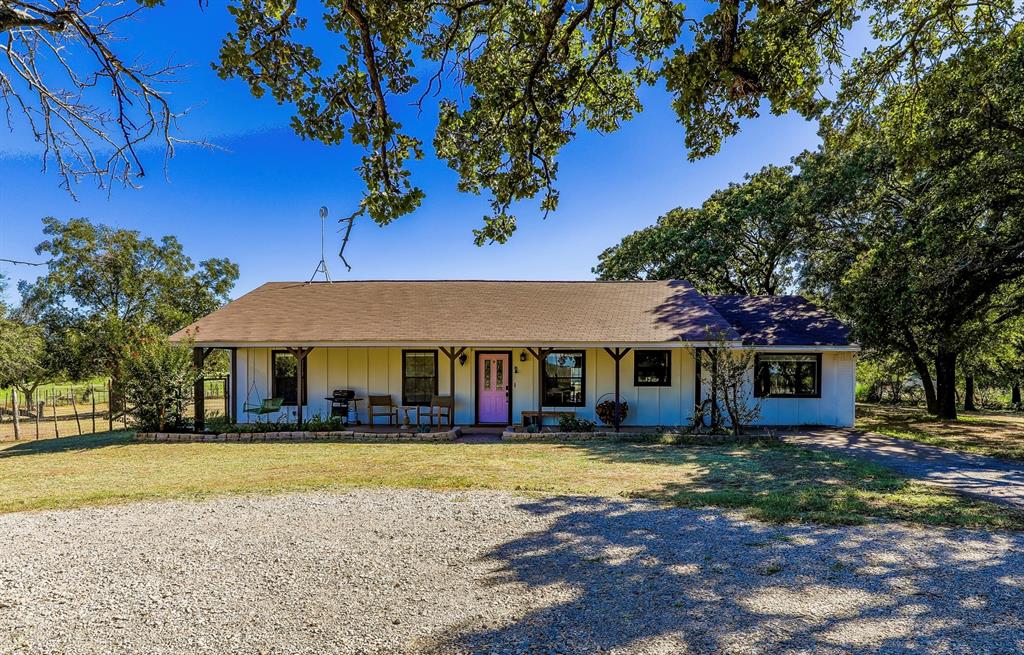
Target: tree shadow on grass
x: 792, y: 483
x: 67, y: 444
x: 618, y: 576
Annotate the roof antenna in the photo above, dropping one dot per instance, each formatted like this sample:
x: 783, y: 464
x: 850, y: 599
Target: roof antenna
x: 322, y: 266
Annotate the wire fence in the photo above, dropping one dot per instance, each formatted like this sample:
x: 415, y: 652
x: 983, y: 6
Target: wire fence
x: 74, y: 410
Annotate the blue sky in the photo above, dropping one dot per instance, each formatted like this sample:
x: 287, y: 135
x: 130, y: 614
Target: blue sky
x: 255, y: 197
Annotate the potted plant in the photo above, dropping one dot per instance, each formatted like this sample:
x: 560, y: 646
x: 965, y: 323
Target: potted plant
x: 606, y: 410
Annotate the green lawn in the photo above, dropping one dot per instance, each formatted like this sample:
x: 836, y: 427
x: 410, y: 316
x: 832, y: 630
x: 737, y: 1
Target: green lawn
x: 998, y: 434
x: 769, y: 483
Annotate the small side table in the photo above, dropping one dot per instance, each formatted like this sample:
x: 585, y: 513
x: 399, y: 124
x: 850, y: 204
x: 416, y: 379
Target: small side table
x: 406, y: 411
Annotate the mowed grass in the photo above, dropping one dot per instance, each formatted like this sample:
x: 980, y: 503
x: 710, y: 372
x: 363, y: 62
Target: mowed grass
x: 996, y: 434
x: 769, y: 483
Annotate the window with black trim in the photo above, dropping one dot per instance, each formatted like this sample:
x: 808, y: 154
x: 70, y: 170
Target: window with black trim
x: 652, y: 368
x: 285, y: 377
x: 787, y: 375
x: 419, y: 376
x: 564, y: 373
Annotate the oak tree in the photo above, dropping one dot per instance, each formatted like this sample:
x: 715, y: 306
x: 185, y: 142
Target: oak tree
x: 109, y: 289
x: 740, y: 240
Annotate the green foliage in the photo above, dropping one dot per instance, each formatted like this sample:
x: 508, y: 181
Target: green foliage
x: 158, y: 384
x: 917, y: 230
x: 107, y: 288
x: 22, y: 352
x: 886, y: 377
x: 570, y: 423
x: 513, y: 81
x: 318, y: 423
x: 740, y: 240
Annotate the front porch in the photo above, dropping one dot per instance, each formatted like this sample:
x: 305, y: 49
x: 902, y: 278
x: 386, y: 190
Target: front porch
x: 488, y: 386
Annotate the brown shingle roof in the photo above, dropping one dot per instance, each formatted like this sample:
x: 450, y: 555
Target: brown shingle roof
x: 781, y: 321
x: 463, y: 312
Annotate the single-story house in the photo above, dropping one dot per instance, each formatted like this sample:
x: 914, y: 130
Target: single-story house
x: 510, y: 350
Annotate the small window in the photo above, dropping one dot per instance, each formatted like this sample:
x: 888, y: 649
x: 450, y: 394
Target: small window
x: 652, y: 368
x: 563, y: 378
x: 787, y: 376
x: 285, y: 381
x: 419, y: 376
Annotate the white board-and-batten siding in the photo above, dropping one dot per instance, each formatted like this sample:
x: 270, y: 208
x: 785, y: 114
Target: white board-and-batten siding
x: 378, y: 370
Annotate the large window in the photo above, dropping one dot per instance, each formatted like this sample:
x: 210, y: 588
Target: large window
x: 285, y: 380
x: 787, y: 376
x: 563, y: 378
x: 652, y: 368
x: 419, y: 376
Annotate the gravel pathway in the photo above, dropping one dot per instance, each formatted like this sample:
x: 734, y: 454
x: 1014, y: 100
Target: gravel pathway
x: 386, y: 571
x: 988, y: 478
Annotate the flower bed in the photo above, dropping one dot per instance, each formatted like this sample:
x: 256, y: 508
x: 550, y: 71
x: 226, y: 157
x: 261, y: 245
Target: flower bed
x: 299, y: 436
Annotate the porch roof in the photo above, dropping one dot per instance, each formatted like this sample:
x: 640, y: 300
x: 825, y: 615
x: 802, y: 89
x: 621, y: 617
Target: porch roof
x: 781, y: 321
x: 464, y: 313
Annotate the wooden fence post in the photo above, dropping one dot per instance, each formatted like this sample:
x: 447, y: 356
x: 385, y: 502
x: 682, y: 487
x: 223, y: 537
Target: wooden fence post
x: 56, y: 429
x: 39, y: 406
x: 92, y: 394
x: 17, y: 424
x: 110, y: 408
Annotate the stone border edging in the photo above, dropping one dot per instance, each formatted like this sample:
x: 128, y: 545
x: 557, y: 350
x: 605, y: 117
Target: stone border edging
x: 641, y: 437
x: 299, y: 436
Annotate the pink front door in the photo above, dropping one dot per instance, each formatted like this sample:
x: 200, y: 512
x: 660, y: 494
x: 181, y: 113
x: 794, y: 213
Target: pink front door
x: 492, y: 388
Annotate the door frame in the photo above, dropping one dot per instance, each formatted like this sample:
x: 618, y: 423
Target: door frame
x: 476, y: 384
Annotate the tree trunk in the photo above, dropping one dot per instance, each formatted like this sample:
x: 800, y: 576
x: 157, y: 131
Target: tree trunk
x: 926, y: 381
x: 1015, y: 395
x: 969, y: 394
x: 945, y: 378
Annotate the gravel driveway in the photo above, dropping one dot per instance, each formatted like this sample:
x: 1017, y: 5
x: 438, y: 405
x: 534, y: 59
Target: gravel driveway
x: 415, y: 571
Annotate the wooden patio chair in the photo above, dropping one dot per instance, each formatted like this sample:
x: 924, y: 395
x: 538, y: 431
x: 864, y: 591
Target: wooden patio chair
x: 268, y: 406
x: 440, y: 406
x: 381, y: 402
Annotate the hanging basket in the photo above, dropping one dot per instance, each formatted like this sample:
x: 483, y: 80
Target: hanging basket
x: 606, y: 409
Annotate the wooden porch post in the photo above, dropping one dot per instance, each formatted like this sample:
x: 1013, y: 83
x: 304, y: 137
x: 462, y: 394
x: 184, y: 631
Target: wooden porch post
x: 539, y: 354
x: 198, y: 391
x: 232, y: 392
x: 696, y: 374
x: 617, y: 355
x: 451, y: 353
x: 300, y: 381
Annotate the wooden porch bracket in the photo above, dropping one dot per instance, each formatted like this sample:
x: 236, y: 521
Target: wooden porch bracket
x: 452, y: 354
x: 300, y: 355
x: 539, y: 354
x: 617, y: 355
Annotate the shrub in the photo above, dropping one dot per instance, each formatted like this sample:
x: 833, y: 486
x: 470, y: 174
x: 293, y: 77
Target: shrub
x: 576, y: 424
x: 159, y: 380
x: 319, y: 424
